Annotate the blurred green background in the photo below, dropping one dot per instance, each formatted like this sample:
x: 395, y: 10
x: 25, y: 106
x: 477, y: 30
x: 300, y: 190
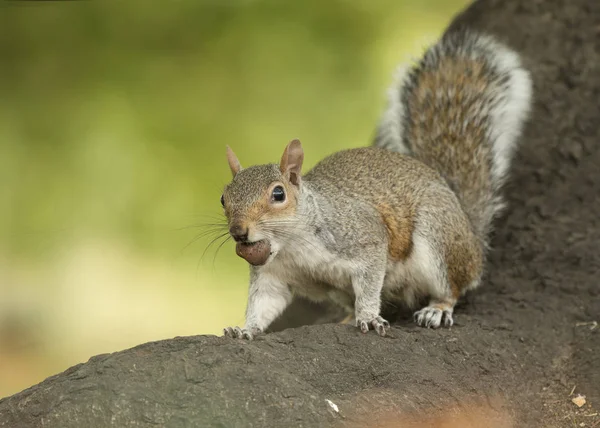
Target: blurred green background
x: 114, y: 118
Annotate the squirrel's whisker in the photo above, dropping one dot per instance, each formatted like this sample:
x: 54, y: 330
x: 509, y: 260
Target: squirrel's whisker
x: 218, y: 248
x: 211, y: 243
x: 203, y: 235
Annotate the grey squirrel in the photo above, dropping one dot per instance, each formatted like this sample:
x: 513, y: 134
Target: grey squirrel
x: 405, y: 219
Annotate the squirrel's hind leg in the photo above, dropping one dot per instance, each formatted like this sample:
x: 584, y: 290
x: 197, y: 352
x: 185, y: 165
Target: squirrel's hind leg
x: 437, y: 313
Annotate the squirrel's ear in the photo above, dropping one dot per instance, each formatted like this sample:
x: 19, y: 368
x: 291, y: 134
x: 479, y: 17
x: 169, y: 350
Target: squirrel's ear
x: 234, y: 163
x: 291, y: 161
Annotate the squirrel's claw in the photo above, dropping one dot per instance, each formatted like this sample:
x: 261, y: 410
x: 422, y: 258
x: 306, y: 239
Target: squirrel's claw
x: 239, y: 333
x: 378, y: 324
x: 364, y: 327
x: 432, y: 317
x: 378, y: 327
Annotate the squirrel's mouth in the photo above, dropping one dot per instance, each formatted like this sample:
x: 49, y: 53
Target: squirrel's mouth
x: 256, y: 253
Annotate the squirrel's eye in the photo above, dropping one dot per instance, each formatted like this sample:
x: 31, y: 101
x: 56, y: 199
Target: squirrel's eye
x: 278, y: 194
x: 222, y: 200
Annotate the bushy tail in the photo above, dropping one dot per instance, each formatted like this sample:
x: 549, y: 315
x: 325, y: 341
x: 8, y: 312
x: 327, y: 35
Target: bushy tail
x: 460, y: 110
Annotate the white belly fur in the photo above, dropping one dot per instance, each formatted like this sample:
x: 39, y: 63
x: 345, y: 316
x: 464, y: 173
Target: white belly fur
x: 421, y: 274
x: 317, y: 274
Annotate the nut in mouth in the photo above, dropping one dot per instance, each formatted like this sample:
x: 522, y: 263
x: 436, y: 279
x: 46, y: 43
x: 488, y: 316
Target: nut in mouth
x: 256, y: 253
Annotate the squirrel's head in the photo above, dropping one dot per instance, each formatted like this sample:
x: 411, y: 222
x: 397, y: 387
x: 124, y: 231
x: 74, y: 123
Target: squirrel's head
x: 260, y: 203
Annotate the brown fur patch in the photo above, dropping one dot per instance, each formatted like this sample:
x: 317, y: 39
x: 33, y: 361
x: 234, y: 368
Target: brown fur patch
x: 465, y: 262
x: 399, y: 225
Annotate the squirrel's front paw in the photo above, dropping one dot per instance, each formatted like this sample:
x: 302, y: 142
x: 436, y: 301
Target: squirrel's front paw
x: 378, y: 324
x: 240, y: 333
x: 434, y: 317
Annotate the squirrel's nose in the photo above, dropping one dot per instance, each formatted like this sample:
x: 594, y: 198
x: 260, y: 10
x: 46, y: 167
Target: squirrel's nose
x: 239, y: 233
